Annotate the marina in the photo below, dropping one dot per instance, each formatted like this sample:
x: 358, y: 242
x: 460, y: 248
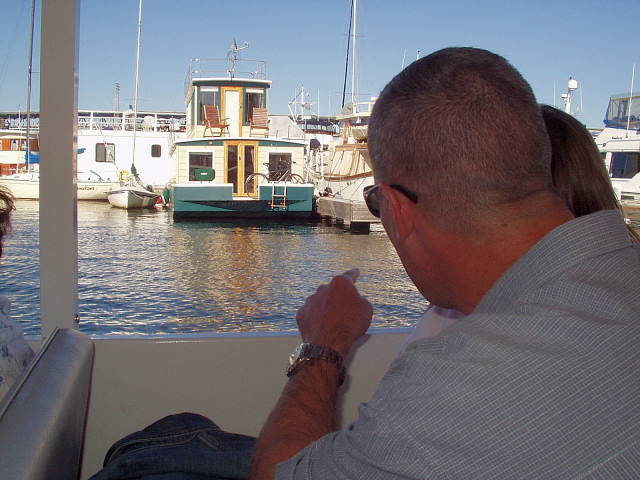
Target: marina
x: 186, y: 315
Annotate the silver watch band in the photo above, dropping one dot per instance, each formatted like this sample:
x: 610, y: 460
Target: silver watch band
x: 311, y: 351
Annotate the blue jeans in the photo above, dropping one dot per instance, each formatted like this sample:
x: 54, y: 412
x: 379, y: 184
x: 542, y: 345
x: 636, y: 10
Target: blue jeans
x: 185, y: 446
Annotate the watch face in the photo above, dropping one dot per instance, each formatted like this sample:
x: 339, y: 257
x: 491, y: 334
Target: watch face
x: 295, y: 355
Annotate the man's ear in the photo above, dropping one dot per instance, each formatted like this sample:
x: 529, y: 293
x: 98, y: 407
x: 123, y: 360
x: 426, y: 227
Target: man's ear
x: 401, y: 212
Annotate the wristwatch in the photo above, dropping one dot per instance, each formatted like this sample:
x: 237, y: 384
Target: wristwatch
x: 310, y: 351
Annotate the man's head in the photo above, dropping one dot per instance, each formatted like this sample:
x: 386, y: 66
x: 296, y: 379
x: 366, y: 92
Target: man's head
x: 462, y: 129
x: 6, y: 207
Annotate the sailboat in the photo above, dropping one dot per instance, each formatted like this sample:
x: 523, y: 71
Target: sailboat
x: 344, y: 169
x: 132, y: 193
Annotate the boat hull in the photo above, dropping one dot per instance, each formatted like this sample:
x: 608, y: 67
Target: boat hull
x: 130, y: 197
x: 26, y: 186
x: 216, y: 200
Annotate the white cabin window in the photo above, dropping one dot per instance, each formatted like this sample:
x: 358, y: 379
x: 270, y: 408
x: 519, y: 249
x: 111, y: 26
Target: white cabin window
x: 253, y: 98
x: 156, y: 151
x: 105, y: 152
x: 199, y: 160
x: 208, y: 96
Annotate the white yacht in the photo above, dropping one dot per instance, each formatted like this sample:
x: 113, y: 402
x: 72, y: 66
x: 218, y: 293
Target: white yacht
x: 619, y: 143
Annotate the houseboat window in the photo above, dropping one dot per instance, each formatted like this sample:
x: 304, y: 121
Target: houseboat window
x: 208, y: 96
x: 253, y: 98
x: 279, y: 165
x: 105, y: 152
x: 156, y: 151
x: 624, y: 164
x: 232, y: 166
x: 249, y: 163
x: 199, y: 160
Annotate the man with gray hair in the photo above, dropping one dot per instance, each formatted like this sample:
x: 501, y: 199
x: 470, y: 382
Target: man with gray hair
x: 540, y: 378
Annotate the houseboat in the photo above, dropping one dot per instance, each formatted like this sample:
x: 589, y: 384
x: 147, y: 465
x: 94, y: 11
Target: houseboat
x: 234, y: 163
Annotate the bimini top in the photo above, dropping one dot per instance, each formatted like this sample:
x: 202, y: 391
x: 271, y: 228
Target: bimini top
x: 623, y: 111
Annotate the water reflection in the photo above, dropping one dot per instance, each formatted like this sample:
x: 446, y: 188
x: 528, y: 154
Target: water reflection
x: 141, y: 273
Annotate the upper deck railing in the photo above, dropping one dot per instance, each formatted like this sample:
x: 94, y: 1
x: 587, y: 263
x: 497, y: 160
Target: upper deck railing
x: 104, y: 120
x: 224, y: 67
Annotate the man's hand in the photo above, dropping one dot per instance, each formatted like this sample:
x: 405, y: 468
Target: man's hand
x: 336, y: 315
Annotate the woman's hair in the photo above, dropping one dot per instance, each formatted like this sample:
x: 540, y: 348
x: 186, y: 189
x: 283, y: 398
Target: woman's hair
x: 6, y: 207
x: 578, y: 170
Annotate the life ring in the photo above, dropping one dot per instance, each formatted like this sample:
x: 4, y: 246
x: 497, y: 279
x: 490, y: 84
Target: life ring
x: 124, y: 176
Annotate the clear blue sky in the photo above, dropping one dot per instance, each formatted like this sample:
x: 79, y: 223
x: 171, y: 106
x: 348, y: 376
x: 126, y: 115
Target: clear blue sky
x: 304, y: 42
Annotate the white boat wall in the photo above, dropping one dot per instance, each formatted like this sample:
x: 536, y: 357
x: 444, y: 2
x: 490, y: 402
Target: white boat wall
x: 105, y: 143
x: 619, y: 143
x: 26, y: 186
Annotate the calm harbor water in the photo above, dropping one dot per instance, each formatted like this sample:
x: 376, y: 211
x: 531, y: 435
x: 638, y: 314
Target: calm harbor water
x: 139, y: 272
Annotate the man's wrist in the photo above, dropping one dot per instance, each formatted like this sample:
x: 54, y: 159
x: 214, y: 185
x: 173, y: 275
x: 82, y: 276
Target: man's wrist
x: 310, y: 352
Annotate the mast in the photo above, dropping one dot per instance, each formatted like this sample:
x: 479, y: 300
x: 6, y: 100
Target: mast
x: 353, y: 59
x: 33, y: 14
x: 135, y: 97
x: 633, y: 74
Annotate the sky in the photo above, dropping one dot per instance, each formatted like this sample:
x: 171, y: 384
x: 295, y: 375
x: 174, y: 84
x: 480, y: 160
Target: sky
x: 304, y: 42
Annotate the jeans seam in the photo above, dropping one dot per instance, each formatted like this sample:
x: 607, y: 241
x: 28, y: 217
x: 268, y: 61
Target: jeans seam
x: 160, y: 440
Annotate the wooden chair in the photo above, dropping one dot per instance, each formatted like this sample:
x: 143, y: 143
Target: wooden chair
x: 259, y: 121
x: 212, y: 120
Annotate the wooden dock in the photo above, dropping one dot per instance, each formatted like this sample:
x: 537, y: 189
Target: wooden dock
x: 353, y: 214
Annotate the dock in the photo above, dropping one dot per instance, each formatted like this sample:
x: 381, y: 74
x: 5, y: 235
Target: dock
x: 352, y: 214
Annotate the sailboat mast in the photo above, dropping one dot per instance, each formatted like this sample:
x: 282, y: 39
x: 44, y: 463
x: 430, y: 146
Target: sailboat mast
x: 353, y: 59
x: 135, y: 97
x: 33, y: 16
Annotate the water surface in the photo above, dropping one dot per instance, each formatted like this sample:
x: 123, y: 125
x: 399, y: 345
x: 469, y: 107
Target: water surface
x: 139, y: 272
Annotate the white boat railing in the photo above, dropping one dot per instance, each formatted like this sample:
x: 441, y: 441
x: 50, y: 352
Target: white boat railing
x: 224, y: 67
x: 101, y: 120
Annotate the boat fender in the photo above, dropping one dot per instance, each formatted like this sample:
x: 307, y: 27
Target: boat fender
x: 124, y: 176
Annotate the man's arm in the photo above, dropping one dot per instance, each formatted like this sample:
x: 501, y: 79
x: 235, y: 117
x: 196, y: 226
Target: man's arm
x: 335, y: 316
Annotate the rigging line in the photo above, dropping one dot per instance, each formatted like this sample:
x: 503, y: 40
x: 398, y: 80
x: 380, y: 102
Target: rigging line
x: 346, y: 66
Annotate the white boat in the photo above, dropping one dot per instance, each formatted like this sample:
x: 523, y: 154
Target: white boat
x: 238, y: 167
x: 132, y: 196
x: 619, y: 143
x: 343, y: 169
x: 27, y: 186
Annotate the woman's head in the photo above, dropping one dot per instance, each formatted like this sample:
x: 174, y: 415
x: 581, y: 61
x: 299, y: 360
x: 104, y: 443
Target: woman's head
x: 577, y: 167
x: 578, y: 170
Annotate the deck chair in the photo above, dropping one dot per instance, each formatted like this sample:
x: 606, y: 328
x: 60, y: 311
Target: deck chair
x: 259, y: 121
x: 212, y: 120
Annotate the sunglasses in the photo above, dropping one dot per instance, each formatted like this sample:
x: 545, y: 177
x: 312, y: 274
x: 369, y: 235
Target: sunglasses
x: 371, y: 196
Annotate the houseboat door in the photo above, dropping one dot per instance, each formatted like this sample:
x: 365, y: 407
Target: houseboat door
x: 240, y: 162
x: 232, y: 108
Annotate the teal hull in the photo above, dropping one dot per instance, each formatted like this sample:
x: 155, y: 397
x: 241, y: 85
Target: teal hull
x: 211, y: 201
